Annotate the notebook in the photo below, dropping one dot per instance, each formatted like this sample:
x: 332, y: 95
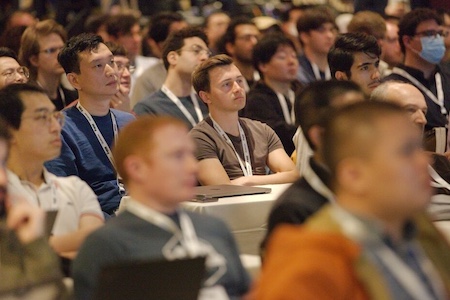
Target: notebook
x: 211, y: 193
x: 152, y: 280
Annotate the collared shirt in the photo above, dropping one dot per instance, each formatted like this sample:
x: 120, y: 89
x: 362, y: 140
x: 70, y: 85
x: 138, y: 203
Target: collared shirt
x: 70, y: 196
x: 371, y: 235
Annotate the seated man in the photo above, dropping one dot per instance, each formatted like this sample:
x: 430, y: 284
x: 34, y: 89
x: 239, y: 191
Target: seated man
x: 308, y: 194
x: 10, y: 70
x: 355, y: 57
x: 35, y: 127
x: 156, y: 159
x: 271, y: 99
x: 26, y: 257
x: 363, y: 245
x: 183, y: 51
x: 234, y: 150
x: 91, y: 126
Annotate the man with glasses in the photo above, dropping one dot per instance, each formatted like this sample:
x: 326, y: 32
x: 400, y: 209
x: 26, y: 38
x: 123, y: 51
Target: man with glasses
x: 238, y: 42
x: 91, y: 126
x: 422, y: 42
x: 10, y: 70
x: 40, y: 45
x: 317, y: 33
x: 184, y: 50
x: 35, y: 126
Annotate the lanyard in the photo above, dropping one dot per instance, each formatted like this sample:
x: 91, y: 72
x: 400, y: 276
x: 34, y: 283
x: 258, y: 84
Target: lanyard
x: 181, y: 107
x: 102, y: 141
x: 316, y: 72
x: 289, y: 117
x: 439, y: 100
x: 246, y: 166
x: 405, y: 276
x: 185, y: 235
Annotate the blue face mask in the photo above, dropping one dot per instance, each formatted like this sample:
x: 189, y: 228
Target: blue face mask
x: 433, y: 48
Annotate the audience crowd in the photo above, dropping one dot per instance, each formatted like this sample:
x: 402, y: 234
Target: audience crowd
x: 112, y: 113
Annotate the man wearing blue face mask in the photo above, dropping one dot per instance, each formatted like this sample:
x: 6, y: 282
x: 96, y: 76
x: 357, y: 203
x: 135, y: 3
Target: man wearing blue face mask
x: 422, y: 41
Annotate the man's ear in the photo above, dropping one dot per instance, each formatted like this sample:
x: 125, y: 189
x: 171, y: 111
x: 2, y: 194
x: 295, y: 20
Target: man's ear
x: 406, y: 41
x: 134, y: 167
x: 339, y: 75
x: 315, y: 134
x: 229, y: 48
x: 204, y: 96
x: 73, y: 80
x: 172, y: 57
x: 34, y: 60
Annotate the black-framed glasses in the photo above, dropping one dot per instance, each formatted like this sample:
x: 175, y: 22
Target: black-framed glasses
x: 197, y: 49
x: 51, y: 50
x: 22, y: 71
x: 431, y: 33
x: 46, y: 117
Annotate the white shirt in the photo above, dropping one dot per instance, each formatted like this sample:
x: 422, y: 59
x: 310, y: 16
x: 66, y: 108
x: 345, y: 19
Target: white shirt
x: 71, y: 196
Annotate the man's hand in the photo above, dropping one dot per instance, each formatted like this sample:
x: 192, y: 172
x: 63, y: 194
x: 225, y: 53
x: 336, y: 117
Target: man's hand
x: 27, y: 221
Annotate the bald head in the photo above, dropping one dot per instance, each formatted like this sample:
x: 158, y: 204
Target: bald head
x: 406, y: 96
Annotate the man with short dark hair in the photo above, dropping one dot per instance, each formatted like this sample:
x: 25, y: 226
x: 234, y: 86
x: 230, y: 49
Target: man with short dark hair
x: 238, y: 42
x: 271, y: 99
x: 356, y: 57
x: 317, y: 33
x: 183, y: 51
x: 156, y: 159
x: 215, y: 26
x: 233, y: 150
x: 421, y: 40
x: 308, y: 194
x: 91, y: 126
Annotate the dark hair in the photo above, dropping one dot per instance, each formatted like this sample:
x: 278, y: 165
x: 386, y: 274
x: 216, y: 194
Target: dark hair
x: 408, y: 24
x: 266, y: 48
x: 11, y: 104
x: 313, y: 18
x: 7, y: 52
x: 314, y: 103
x: 94, y: 22
x: 69, y: 58
x: 5, y: 135
x: 120, y: 24
x: 176, y: 41
x: 230, y: 34
x: 340, y: 56
x: 200, y: 77
x: 160, y: 25
x: 116, y: 49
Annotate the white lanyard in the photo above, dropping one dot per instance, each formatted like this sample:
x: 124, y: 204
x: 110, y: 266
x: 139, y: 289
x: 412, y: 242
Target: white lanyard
x: 289, y: 116
x: 183, y: 109
x: 438, y: 182
x: 246, y: 166
x: 316, y: 71
x: 316, y: 183
x: 102, y: 141
x: 404, y: 275
x: 439, y: 100
x: 185, y: 234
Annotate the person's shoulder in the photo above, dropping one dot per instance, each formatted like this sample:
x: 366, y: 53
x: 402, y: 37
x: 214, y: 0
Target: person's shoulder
x: 207, y: 222
x: 123, y: 115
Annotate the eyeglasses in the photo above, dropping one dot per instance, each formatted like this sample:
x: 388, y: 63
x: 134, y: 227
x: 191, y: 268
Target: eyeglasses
x: 46, y: 117
x: 51, y: 50
x: 432, y: 33
x: 122, y: 67
x: 10, y: 73
x: 197, y: 50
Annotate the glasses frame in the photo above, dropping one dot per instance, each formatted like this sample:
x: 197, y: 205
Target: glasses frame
x: 46, y: 117
x: 22, y: 71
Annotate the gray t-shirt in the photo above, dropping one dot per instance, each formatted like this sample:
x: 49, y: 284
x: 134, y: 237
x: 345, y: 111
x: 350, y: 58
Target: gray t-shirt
x: 261, y: 141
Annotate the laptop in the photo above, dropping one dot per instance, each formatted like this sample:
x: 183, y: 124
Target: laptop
x: 211, y: 193
x: 152, y: 280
